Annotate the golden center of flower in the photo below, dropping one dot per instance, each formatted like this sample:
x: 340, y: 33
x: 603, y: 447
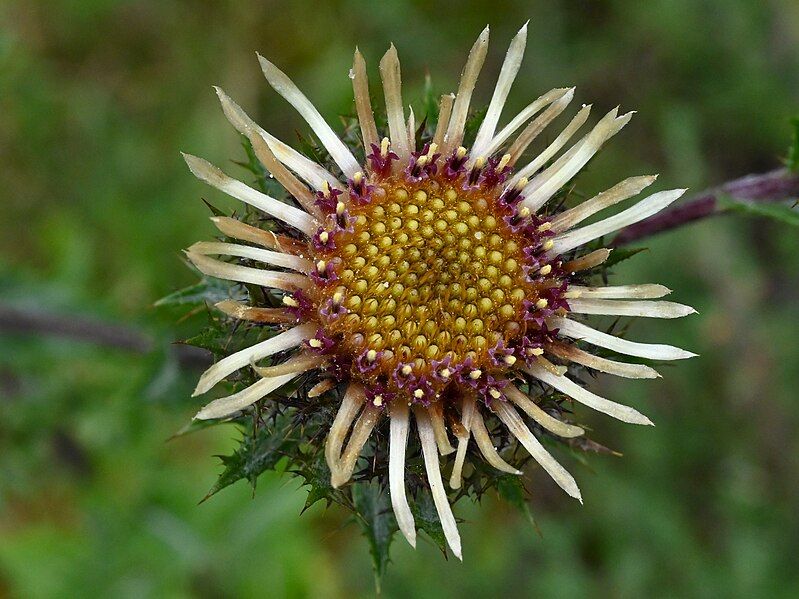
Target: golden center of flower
x: 426, y: 272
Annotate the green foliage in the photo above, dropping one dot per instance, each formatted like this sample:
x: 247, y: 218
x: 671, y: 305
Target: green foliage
x: 213, y: 338
x: 619, y: 255
x: 255, y: 455
x: 430, y: 103
x: 787, y: 215
x: 376, y: 518
x: 206, y: 290
x: 511, y: 489
x: 426, y: 518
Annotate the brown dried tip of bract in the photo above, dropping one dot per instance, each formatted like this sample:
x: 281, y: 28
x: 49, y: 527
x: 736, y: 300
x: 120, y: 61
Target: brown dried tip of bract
x: 238, y: 230
x: 588, y: 261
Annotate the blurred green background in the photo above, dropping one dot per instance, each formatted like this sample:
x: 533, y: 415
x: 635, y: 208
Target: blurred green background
x: 96, y: 99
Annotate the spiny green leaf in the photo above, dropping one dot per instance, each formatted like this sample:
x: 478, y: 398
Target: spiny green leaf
x: 316, y: 476
x: 792, y: 160
x: 377, y: 522
x: 473, y: 123
x: 430, y: 103
x: 255, y: 455
x: 206, y: 290
x: 426, y: 517
x: 216, y: 340
x: 511, y: 489
x: 779, y: 212
x: 620, y: 255
x: 214, y: 210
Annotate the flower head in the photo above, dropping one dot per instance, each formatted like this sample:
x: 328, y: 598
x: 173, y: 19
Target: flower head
x: 433, y: 280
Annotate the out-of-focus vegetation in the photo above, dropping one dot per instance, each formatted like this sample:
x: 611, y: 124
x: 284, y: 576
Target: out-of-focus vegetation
x: 96, y: 99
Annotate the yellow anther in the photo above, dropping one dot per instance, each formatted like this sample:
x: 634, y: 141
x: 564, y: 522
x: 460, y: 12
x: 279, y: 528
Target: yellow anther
x: 461, y: 228
x: 377, y: 401
x: 290, y: 301
x: 546, y: 269
x: 509, y: 360
x: 541, y: 303
x: 535, y: 351
x: 480, y: 163
x: 494, y: 393
x: 326, y: 189
x: 545, y: 226
x: 422, y: 160
x: 338, y: 297
x: 315, y: 343
x: 445, y: 373
x: 321, y: 266
x: 340, y: 207
x: 524, y: 212
x: 384, y: 143
x: 357, y: 178
x: 506, y: 311
x: 521, y: 183
x: 371, y: 355
x: 418, y: 394
x: 547, y: 245
x: 324, y: 236
x: 475, y: 374
x: 406, y: 370
x: 432, y: 150
x: 461, y: 152
x: 503, y: 162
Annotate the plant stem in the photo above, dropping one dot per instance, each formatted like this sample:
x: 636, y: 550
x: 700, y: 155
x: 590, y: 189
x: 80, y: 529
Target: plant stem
x: 779, y: 184
x: 15, y: 320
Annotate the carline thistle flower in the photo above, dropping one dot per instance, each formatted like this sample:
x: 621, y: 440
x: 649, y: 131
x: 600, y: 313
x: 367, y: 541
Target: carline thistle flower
x: 431, y: 284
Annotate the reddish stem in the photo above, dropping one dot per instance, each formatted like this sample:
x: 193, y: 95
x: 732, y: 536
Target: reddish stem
x: 776, y: 185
